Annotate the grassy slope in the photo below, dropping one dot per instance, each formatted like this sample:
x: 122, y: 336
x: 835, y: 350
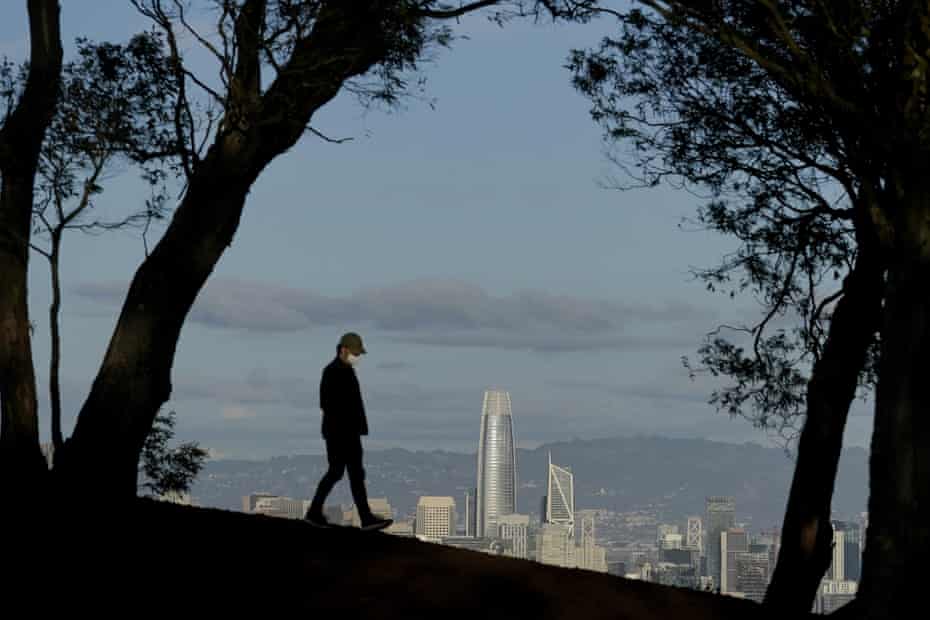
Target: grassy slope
x: 164, y: 558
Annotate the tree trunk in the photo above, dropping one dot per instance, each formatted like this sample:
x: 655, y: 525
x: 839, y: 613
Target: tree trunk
x: 21, y: 461
x: 807, y: 535
x: 54, y: 313
x: 898, y: 536
x: 134, y: 379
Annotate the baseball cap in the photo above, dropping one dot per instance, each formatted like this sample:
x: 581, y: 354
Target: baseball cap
x: 353, y: 342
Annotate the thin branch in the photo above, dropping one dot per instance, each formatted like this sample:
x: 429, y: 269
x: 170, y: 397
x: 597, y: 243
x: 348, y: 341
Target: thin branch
x: 224, y: 61
x: 41, y: 251
x: 453, y: 13
x: 320, y: 134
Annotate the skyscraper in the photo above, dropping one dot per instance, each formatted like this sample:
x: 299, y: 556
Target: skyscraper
x: 560, y: 496
x: 497, y: 470
x: 851, y: 550
x: 720, y: 515
x: 733, y: 543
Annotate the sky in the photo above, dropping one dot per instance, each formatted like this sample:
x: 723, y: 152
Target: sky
x: 470, y: 237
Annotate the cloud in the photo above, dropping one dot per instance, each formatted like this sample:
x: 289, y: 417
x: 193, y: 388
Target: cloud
x: 237, y: 412
x: 670, y: 389
x: 394, y: 365
x: 445, y: 312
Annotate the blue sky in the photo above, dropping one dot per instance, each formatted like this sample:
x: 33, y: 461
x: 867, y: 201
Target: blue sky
x: 470, y: 243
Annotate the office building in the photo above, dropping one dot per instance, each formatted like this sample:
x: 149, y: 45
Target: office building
x: 557, y: 545
x: 733, y: 543
x: 694, y: 538
x: 719, y: 515
x: 560, y: 496
x: 752, y: 574
x: 378, y: 505
x: 497, y: 472
x: 436, y: 517
x: 249, y: 501
x: 400, y: 528
x: 834, y: 594
x: 852, y: 549
x: 516, y: 529
x: 276, y: 506
x: 589, y: 555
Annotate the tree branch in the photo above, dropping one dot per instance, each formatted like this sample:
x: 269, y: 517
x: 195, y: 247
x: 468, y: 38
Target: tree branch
x: 453, y: 13
x: 320, y: 134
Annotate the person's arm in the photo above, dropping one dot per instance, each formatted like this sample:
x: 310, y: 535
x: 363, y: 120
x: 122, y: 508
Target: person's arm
x: 326, y: 391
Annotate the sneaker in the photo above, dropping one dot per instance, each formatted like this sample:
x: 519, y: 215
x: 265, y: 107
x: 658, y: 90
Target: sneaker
x: 376, y: 523
x: 317, y: 520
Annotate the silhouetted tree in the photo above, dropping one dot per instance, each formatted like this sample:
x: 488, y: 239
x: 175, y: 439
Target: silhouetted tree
x: 279, y: 61
x: 692, y: 108
x: 165, y: 469
x: 806, y: 121
x: 116, y: 106
x: 22, y: 466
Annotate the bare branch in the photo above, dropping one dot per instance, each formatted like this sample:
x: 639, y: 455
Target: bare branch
x: 453, y: 13
x: 320, y: 134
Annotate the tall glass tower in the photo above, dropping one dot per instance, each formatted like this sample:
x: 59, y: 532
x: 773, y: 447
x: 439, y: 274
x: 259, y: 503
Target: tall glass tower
x: 560, y: 496
x: 497, y: 466
x: 719, y: 516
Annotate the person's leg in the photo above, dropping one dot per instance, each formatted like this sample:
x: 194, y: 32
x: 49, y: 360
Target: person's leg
x: 353, y: 454
x: 335, y: 455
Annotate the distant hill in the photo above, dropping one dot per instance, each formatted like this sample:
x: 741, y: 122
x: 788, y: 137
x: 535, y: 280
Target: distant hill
x: 669, y: 476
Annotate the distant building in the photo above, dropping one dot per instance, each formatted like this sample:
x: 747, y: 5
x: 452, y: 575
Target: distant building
x: 671, y: 541
x: 678, y: 575
x: 249, y: 501
x: 560, y: 496
x: 497, y: 470
x: 720, y: 515
x: 482, y: 545
x: 284, y: 507
x: 174, y: 497
x: 470, y: 513
x: 436, y: 517
x: 400, y: 528
x: 694, y: 538
x: 752, y: 575
x: 378, y: 505
x: 663, y: 530
x: 852, y: 549
x: 677, y: 556
x: 515, y: 528
x: 589, y: 555
x: 616, y: 568
x: 556, y: 545
x: 733, y: 543
x: 834, y: 594
x: 837, y: 570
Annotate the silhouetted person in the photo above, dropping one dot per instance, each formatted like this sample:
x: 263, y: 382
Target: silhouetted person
x: 344, y: 423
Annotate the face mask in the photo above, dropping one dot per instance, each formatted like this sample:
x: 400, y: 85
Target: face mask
x: 352, y: 359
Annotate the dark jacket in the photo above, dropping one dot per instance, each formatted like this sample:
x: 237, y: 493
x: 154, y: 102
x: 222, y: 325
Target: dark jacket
x: 341, y: 401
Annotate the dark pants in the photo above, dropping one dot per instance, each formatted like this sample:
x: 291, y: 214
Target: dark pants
x: 343, y: 453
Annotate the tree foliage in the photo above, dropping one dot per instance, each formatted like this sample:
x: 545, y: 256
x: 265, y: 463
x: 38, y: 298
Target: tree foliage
x: 166, y: 469
x: 683, y: 106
